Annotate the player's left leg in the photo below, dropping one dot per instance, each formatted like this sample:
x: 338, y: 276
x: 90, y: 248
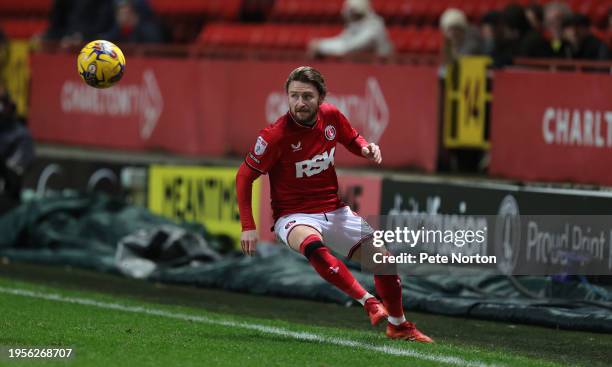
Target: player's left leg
x: 389, y: 288
x: 352, y: 237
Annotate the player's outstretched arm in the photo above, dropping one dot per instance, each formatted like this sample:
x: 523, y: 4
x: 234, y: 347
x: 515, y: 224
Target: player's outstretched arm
x: 372, y: 152
x: 244, y: 190
x: 355, y: 143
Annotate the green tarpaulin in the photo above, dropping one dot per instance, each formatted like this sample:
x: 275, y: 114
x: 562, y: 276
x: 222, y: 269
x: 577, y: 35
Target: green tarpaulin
x: 91, y: 231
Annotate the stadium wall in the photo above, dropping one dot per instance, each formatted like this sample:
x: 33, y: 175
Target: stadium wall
x: 552, y: 127
x: 215, y: 108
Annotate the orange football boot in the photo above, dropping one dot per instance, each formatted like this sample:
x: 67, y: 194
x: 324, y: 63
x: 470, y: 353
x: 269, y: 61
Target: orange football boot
x: 407, y: 331
x: 375, y: 310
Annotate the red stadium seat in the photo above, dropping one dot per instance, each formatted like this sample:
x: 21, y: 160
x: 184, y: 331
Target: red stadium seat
x: 435, y: 10
x: 332, y: 9
x: 387, y: 9
x: 25, y: 7
x: 23, y: 28
x: 424, y: 40
x: 482, y: 8
x: 417, y: 10
x: 599, y: 13
x: 289, y: 38
x: 212, y: 9
x: 315, y: 11
x: 468, y: 7
x: 268, y: 36
x: 258, y: 37
x: 284, y: 9
x: 402, y: 38
x: 433, y: 41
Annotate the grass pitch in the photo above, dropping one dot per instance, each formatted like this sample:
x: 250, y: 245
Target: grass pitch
x: 124, y: 329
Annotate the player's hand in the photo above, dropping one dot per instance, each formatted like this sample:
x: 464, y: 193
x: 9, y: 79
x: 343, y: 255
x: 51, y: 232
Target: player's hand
x: 372, y: 152
x: 248, y: 241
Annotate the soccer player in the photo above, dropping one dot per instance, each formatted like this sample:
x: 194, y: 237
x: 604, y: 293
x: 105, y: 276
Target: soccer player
x: 297, y: 152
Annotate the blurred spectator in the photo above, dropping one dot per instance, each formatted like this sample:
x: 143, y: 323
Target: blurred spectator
x: 255, y: 11
x: 554, y: 13
x: 134, y: 23
x: 491, y: 31
x: 582, y: 43
x: 364, y: 32
x: 535, y: 16
x: 460, y: 38
x: 74, y: 22
x: 519, y: 38
x: 16, y: 147
x: 4, y: 55
x: 609, y: 28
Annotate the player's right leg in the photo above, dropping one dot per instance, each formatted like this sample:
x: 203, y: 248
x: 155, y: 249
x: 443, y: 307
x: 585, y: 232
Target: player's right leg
x: 304, y: 236
x: 307, y: 241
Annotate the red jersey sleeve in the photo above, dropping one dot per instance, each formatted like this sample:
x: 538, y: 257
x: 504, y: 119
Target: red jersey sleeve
x: 244, y: 191
x: 264, y: 153
x: 348, y: 136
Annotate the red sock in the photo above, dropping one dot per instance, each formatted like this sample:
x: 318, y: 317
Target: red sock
x: 389, y: 288
x: 335, y: 272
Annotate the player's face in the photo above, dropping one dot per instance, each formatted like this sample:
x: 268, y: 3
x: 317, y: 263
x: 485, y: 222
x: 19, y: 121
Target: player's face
x: 304, y: 101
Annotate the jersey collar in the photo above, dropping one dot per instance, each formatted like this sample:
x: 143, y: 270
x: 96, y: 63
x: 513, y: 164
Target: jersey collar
x: 304, y: 125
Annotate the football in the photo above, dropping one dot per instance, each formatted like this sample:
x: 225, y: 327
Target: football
x: 101, y: 64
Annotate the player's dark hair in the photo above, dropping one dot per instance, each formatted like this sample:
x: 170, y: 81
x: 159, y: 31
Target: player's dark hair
x: 307, y: 74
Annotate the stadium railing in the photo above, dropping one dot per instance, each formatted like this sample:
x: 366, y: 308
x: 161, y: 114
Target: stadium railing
x: 564, y: 65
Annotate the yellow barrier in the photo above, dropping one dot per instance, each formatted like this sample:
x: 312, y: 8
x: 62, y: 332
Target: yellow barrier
x: 467, y: 103
x: 205, y: 195
x: 16, y: 74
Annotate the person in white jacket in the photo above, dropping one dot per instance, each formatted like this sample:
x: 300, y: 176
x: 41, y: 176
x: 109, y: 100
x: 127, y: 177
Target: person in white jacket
x: 364, y: 32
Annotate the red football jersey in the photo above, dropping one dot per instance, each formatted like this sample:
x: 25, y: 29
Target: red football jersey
x: 300, y: 161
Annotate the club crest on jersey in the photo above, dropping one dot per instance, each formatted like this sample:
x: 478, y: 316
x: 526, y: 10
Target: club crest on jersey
x: 296, y: 147
x: 260, y: 146
x: 330, y: 132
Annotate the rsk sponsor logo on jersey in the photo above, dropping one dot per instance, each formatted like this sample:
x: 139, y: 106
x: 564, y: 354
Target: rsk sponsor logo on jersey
x: 316, y: 164
x: 260, y: 146
x: 330, y: 132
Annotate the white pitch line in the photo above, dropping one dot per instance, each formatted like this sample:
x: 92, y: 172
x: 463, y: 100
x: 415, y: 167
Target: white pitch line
x: 299, y: 335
